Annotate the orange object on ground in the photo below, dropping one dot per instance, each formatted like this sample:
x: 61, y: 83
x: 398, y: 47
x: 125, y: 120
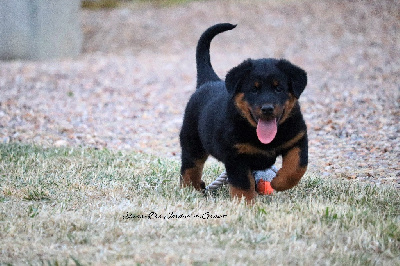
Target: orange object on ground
x: 264, y: 187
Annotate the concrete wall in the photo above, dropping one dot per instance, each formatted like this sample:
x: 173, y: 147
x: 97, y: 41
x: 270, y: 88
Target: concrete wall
x: 39, y: 29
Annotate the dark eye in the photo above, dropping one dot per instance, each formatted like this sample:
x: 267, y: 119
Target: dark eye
x: 276, y: 85
x: 256, y: 88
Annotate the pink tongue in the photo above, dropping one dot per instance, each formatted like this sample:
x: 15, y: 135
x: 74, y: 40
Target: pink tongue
x: 266, y: 130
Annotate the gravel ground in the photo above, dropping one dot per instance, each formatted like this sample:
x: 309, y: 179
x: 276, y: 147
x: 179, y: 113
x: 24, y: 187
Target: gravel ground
x: 129, y: 88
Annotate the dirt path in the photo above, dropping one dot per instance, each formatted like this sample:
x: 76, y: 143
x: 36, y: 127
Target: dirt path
x: 128, y: 90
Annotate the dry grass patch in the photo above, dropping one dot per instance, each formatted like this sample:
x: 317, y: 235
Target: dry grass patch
x: 82, y: 206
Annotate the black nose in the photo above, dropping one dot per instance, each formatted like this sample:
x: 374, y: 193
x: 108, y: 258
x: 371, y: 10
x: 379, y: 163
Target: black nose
x: 267, y: 109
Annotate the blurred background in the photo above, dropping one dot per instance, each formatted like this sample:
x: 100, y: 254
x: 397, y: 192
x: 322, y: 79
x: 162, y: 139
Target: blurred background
x: 126, y: 82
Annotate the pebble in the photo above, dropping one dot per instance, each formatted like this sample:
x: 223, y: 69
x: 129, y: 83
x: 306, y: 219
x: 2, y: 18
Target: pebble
x: 60, y: 143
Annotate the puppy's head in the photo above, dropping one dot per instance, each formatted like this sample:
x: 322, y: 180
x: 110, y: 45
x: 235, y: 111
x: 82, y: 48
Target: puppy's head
x: 264, y: 92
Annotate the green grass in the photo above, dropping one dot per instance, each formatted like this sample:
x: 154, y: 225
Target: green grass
x: 166, y: 2
x: 110, y: 4
x: 100, y: 4
x: 82, y: 206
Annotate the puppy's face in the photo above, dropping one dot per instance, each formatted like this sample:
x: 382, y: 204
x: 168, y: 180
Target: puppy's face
x: 265, y: 97
x: 264, y: 92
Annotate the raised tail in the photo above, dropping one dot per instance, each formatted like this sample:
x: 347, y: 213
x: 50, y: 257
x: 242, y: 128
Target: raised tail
x: 205, y: 71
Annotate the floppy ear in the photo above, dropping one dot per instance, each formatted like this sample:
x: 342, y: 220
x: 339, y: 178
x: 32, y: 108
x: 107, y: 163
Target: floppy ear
x: 236, y: 75
x: 297, y: 76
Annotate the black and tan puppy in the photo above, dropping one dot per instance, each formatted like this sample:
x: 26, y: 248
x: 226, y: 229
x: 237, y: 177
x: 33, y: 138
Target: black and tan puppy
x: 245, y: 121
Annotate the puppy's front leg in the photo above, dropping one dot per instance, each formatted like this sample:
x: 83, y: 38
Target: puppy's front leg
x: 241, y: 182
x: 294, y: 165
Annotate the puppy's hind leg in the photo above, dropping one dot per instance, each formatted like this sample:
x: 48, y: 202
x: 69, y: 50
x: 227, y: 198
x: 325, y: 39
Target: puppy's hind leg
x: 193, y: 154
x: 192, y: 170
